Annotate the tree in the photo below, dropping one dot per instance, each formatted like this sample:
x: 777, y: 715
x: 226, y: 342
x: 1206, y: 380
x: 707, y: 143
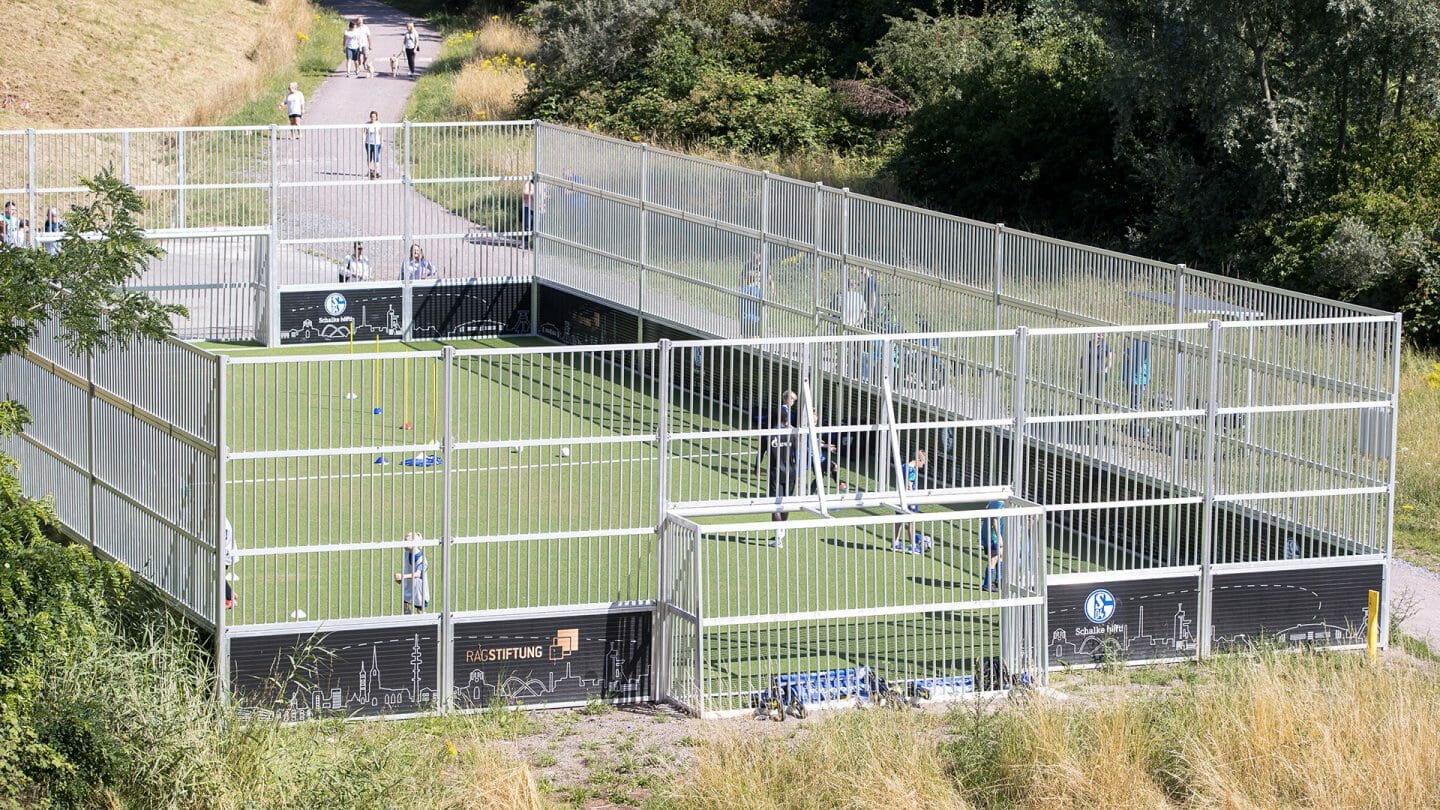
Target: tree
x: 53, y: 593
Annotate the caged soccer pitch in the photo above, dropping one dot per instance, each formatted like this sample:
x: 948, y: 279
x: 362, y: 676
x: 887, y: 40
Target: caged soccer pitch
x: 553, y: 491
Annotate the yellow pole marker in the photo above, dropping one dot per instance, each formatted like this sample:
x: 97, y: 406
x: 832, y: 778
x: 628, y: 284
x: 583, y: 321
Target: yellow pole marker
x: 1372, y: 640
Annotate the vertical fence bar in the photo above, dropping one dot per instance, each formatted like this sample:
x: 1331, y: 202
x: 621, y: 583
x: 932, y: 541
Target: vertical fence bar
x: 217, y: 525
x: 644, y: 242
x: 180, y: 177
x: 1395, y: 347
x: 447, y: 528
x: 272, y: 330
x: 815, y: 252
x: 537, y: 211
x: 30, y: 181
x: 1017, y: 444
x: 661, y: 660
x: 90, y: 444
x: 764, y: 249
x: 1207, y: 538
x: 125, y: 157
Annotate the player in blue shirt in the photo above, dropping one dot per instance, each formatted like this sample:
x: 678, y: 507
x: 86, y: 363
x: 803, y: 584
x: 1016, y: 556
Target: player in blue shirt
x: 413, y: 575
x: 911, y: 540
x: 992, y: 542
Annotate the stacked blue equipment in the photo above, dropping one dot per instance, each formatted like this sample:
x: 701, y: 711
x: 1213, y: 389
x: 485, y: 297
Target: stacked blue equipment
x: 431, y: 460
x: 948, y: 686
x: 824, y: 686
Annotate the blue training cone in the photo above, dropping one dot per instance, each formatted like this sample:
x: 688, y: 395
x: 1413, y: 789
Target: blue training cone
x: 376, y: 411
x: 381, y: 460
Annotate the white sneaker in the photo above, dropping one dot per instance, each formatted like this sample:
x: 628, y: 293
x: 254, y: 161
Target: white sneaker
x: 779, y: 541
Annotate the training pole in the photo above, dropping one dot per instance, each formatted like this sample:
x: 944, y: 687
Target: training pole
x: 376, y: 368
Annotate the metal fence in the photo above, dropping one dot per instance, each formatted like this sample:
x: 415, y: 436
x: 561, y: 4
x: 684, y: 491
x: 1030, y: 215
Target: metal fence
x: 1245, y: 432
x: 127, y: 444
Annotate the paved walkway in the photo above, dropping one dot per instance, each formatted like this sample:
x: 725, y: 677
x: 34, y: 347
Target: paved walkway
x: 1416, y: 591
x: 378, y: 208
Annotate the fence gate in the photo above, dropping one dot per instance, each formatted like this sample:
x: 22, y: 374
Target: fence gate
x: 219, y: 276
x: 844, y: 607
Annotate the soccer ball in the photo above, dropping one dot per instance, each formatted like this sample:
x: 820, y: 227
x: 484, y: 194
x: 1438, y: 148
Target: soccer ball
x: 565, y: 452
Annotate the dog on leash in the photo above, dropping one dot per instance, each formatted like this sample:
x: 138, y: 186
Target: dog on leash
x: 394, y: 64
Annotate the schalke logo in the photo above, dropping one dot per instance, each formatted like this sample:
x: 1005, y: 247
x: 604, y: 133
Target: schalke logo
x: 1099, y: 606
x: 335, y: 304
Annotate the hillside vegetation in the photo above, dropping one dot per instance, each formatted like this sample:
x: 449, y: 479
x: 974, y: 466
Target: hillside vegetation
x: 142, y: 63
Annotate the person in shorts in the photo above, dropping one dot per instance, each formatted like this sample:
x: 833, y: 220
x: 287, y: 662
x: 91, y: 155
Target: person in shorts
x: 782, y: 468
x: 992, y: 545
x: 363, y: 31
x: 372, y: 145
x: 906, y: 536
x: 413, y: 576
x: 352, y: 49
x: 294, y: 106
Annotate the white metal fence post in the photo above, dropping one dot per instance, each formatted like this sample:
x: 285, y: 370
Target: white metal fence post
x: 660, y: 621
x: 764, y: 250
x: 1019, y: 378
x: 815, y: 251
x: 407, y: 236
x: 1207, y: 537
x: 1396, y: 338
x: 30, y: 183
x: 217, y: 527
x: 447, y: 530
x: 992, y: 374
x: 644, y: 241
x: 180, y: 178
x: 272, y: 314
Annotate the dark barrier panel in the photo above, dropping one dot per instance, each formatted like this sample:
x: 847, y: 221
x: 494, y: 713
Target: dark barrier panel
x: 325, y: 316
x: 1126, y: 620
x: 346, y: 673
x: 446, y: 309
x: 552, y: 660
x: 1323, y: 606
x: 461, y: 309
x: 579, y: 321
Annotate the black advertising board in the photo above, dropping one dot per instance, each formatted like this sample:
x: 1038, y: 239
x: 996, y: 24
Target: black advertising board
x: 471, y: 308
x: 579, y: 321
x: 1322, y: 606
x: 448, y: 309
x: 1126, y: 620
x: 553, y: 660
x: 344, y: 673
x: 325, y: 315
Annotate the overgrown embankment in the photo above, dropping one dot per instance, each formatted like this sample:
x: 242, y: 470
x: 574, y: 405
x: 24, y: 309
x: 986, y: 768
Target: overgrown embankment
x: 149, y: 63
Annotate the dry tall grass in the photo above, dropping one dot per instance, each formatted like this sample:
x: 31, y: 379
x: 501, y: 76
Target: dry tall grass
x: 1276, y: 730
x: 488, y: 91
x: 852, y: 760
x: 492, y: 80
x: 499, y: 35
x: 90, y: 63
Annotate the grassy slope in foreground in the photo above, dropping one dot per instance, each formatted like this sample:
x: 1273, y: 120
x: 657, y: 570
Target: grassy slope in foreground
x: 89, y: 63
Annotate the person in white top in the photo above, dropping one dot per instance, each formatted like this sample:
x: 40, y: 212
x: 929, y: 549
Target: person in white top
x: 412, y: 46
x: 294, y: 106
x: 352, y: 48
x: 372, y: 145
x: 364, y: 31
x: 356, y: 266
